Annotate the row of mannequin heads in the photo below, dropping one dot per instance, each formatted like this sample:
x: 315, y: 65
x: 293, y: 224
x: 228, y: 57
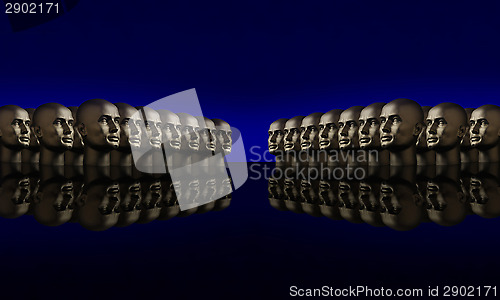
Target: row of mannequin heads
x: 100, y: 133
x: 401, y: 131
x: 400, y: 198
x: 99, y: 199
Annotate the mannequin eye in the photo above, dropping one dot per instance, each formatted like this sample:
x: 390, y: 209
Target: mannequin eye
x: 286, y: 131
x: 71, y: 122
x: 382, y: 120
x: 270, y: 133
x: 361, y: 122
x: 321, y: 127
x: 331, y: 125
x: 373, y: 122
x: 428, y: 122
x: 341, y: 124
x: 158, y: 124
x: 484, y: 122
x: 28, y: 123
x: 442, y: 122
x: 117, y: 120
x: 57, y: 122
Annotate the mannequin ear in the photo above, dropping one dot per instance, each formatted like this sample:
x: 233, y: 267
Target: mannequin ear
x: 38, y: 197
x: 417, y: 129
x: 80, y: 201
x: 461, y: 197
x: 461, y: 131
x: 37, y: 131
x: 81, y: 128
x: 418, y: 200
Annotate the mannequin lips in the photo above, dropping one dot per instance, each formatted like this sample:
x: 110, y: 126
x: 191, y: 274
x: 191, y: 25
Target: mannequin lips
x: 305, y: 145
x: 155, y: 141
x: 194, y: 145
x: 24, y: 139
x: 67, y: 140
x: 386, y: 138
x: 475, y: 138
x: 211, y: 146
x: 344, y: 141
x: 226, y: 147
x: 113, y: 138
x: 273, y: 146
x: 134, y: 140
x: 289, y: 146
x: 324, y: 143
x: 432, y: 140
x: 364, y: 140
x: 175, y: 144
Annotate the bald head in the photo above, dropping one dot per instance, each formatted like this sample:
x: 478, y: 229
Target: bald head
x: 401, y: 124
x: 14, y: 127
x: 485, y: 127
x: 98, y: 122
x: 446, y: 125
x: 53, y: 126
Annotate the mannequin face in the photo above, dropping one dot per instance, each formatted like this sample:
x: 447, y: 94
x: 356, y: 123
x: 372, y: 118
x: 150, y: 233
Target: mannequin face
x: 171, y: 130
x: 292, y: 134
x: 422, y: 138
x: 77, y: 138
x: 400, y: 124
x: 190, y: 132
x: 485, y: 127
x: 34, y: 143
x: 465, y: 144
x: 14, y: 127
x: 14, y: 196
x: 99, y: 124
x: 207, y: 134
x: 309, y: 136
x: 445, y: 202
x: 446, y: 124
x: 130, y: 129
x: 276, y: 136
x: 153, y: 127
x: 100, y: 206
x: 485, y: 196
x: 348, y: 128
x: 54, y: 204
x: 53, y: 126
x: 224, y: 139
x: 400, y: 207
x: 369, y: 126
x: 328, y: 130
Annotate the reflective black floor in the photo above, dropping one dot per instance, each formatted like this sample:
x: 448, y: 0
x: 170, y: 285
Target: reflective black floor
x: 248, y: 250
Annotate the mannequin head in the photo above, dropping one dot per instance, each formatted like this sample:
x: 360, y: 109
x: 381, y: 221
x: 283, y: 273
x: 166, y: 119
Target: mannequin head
x: 465, y: 144
x: 54, y: 202
x: 485, y: 195
x: 171, y: 129
x: 369, y: 126
x: 14, y: 195
x: 401, y: 122
x: 130, y: 127
x: 348, y: 127
x: 422, y: 137
x: 207, y: 134
x: 445, y: 202
x: 53, y: 126
x: 446, y: 125
x: 309, y: 132
x: 190, y: 132
x: 77, y: 138
x: 14, y: 127
x: 276, y: 136
x: 153, y: 126
x: 485, y: 127
x: 34, y: 143
x: 224, y: 139
x: 292, y: 133
x: 99, y: 205
x: 99, y: 125
x: 328, y: 130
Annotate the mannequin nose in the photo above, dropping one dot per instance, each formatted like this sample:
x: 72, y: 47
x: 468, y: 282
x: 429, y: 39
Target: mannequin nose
x: 133, y: 129
x: 112, y: 127
x: 475, y: 129
x: 324, y: 133
x: 66, y: 128
x: 154, y: 131
x: 344, y: 130
x: 433, y: 128
x: 386, y: 128
x: 273, y: 138
x: 364, y: 128
x: 192, y: 135
x: 24, y: 128
x: 306, y: 134
x: 288, y: 137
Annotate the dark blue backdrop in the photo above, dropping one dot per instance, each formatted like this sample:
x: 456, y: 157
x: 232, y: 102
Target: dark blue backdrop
x: 255, y: 61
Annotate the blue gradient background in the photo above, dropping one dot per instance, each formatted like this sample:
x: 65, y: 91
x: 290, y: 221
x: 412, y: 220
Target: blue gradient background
x: 256, y: 61
x: 251, y: 62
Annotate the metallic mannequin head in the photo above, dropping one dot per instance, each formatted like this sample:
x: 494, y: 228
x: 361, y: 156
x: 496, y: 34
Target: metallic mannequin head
x: 276, y: 136
x: 130, y: 127
x: 422, y: 138
x: 309, y: 132
x: 223, y: 135
x: 207, y: 134
x: 171, y: 129
x: 446, y: 126
x: 401, y: 122
x: 328, y: 130
x: 369, y: 126
x: 190, y: 132
x: 485, y: 127
x: 292, y: 133
x: 466, y: 143
x: 53, y: 126
x: 14, y: 127
x: 348, y: 127
x: 77, y: 138
x: 99, y: 124
x: 153, y: 134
